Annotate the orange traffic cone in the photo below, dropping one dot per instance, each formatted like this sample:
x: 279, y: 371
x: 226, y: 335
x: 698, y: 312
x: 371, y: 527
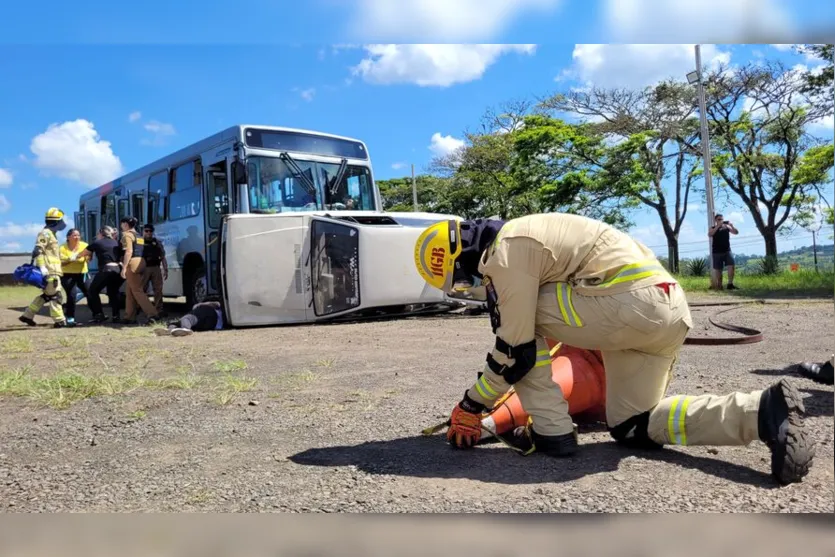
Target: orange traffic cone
x: 580, y: 375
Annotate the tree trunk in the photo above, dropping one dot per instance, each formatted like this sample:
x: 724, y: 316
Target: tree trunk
x: 672, y: 253
x: 770, y: 236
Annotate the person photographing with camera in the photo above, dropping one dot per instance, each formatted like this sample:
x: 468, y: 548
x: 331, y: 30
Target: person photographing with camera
x: 720, y: 233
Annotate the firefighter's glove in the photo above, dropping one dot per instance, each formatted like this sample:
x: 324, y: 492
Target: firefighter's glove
x: 465, y: 424
x: 44, y: 272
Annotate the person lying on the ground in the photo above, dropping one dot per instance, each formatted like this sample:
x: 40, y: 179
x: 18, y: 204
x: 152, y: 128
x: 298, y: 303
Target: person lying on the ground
x: 205, y: 316
x: 819, y: 373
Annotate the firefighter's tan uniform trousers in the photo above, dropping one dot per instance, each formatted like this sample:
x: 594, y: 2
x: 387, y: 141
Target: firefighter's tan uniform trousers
x: 48, y: 255
x: 581, y: 282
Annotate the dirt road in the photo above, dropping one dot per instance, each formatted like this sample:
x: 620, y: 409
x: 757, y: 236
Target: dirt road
x: 328, y: 418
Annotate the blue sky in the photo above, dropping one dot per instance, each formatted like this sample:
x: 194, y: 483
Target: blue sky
x: 95, y: 103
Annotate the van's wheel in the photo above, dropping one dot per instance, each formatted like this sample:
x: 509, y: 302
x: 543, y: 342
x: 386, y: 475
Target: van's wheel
x: 196, y: 289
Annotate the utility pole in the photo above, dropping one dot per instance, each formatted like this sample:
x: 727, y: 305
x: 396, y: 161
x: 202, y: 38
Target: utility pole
x: 705, y: 153
x: 414, y: 190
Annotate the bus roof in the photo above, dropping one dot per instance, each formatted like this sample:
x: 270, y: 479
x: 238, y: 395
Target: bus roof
x: 231, y: 133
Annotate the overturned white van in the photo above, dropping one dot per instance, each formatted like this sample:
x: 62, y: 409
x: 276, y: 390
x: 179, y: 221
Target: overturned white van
x: 291, y: 268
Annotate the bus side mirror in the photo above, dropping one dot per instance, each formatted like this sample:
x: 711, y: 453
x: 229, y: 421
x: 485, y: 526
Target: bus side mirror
x: 239, y: 172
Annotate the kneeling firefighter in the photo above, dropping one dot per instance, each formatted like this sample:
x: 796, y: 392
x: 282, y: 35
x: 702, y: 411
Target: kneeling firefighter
x: 47, y: 256
x: 584, y: 283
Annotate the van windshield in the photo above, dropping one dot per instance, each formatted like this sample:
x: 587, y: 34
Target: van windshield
x: 277, y: 187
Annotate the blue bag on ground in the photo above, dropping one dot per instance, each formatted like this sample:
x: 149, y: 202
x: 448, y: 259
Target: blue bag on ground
x: 31, y: 275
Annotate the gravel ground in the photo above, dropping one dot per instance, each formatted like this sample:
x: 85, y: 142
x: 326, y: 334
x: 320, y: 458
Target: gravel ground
x: 333, y: 418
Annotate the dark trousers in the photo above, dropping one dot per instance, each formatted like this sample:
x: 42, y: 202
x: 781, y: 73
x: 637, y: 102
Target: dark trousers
x: 70, y: 283
x: 112, y: 281
x: 202, y: 317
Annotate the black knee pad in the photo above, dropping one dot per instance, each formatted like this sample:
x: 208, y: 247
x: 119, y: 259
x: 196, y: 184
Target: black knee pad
x: 638, y: 426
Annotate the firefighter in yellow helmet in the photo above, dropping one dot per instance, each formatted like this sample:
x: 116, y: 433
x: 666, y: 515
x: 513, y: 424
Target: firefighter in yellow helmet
x: 582, y: 282
x: 47, y: 256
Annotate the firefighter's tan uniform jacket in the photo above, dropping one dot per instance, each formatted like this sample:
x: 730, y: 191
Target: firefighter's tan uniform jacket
x: 48, y: 256
x: 581, y: 282
x: 48, y: 253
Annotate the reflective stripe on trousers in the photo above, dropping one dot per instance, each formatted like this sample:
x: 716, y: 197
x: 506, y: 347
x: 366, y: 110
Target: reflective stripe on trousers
x: 634, y: 271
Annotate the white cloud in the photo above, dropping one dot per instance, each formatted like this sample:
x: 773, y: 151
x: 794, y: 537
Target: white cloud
x: 443, y: 145
x: 10, y: 246
x: 652, y: 236
x: 709, y: 21
x: 307, y: 94
x: 637, y: 65
x: 825, y: 125
x: 134, y: 116
x: 439, y: 65
x: 695, y: 207
x: 398, y: 165
x: 5, y: 205
x: 12, y: 230
x: 735, y: 217
x: 160, y: 131
x: 6, y: 178
x: 783, y: 47
x: 74, y: 151
x: 442, y: 21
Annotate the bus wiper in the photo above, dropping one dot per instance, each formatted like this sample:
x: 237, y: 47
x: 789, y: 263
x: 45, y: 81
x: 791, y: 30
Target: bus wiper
x: 291, y: 162
x: 339, y: 175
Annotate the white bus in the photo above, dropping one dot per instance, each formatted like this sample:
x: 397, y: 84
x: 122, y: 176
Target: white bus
x: 244, y: 169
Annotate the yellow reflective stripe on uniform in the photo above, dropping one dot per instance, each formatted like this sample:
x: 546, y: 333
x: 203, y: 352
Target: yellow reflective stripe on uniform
x: 543, y: 358
x: 564, y: 301
x: 483, y: 387
x: 676, y: 420
x: 635, y: 271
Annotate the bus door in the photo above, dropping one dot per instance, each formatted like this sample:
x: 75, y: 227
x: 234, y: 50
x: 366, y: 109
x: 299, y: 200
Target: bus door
x: 218, y: 203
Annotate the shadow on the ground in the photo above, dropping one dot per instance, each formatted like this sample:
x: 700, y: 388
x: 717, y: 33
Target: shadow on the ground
x: 432, y: 457
x: 819, y: 404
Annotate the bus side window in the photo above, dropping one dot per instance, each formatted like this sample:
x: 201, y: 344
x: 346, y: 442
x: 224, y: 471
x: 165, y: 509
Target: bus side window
x: 108, y: 210
x: 138, y: 207
x: 158, y: 193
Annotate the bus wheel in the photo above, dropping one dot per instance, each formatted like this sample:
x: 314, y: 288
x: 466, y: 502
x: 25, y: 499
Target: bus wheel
x: 197, y: 287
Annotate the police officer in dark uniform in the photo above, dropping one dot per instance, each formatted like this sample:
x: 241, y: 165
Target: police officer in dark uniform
x: 156, y: 267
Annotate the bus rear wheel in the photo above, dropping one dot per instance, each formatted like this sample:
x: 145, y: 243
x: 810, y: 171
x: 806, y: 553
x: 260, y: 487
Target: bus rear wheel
x: 196, y: 287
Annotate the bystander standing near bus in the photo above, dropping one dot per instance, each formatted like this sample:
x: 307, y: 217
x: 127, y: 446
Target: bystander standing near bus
x: 74, y: 265
x: 133, y: 268
x: 156, y: 267
x: 106, y: 249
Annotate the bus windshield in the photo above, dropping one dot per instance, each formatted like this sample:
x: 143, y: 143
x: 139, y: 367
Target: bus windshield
x: 276, y: 187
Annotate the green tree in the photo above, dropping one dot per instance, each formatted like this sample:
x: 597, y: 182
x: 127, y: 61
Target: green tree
x: 564, y: 166
x: 397, y: 193
x: 480, y: 173
x: 759, y: 117
x: 646, y: 159
x: 819, y: 81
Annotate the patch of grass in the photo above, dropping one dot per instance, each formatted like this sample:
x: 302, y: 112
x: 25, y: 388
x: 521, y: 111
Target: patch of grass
x: 296, y: 379
x: 230, y: 386
x: 200, y: 496
x: 17, y: 295
x: 63, y: 389
x: 325, y: 362
x: 16, y: 345
x: 786, y: 283
x: 229, y: 366
x: 137, y: 415
x: 75, y: 356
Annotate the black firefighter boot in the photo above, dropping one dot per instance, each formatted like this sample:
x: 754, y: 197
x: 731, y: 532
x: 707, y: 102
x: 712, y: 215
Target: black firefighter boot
x: 781, y: 428
x: 819, y: 373
x: 526, y: 439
